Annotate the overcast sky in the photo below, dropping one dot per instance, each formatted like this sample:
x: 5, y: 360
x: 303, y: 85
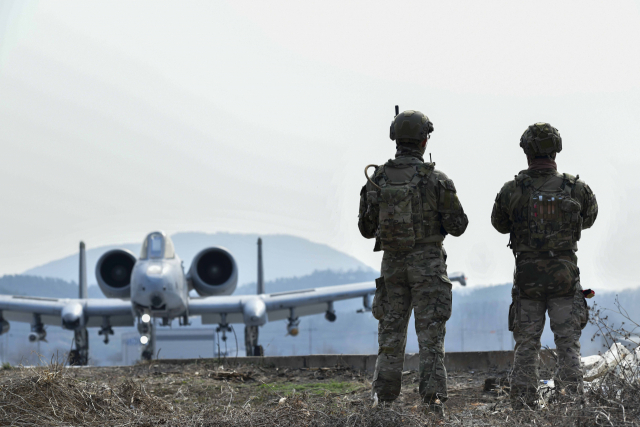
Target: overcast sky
x: 118, y: 118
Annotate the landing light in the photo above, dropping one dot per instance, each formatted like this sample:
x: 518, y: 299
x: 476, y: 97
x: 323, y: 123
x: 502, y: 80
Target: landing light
x: 144, y: 339
x: 145, y: 319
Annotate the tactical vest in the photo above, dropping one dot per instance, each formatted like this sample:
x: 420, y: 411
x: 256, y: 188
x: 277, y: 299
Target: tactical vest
x: 546, y: 220
x: 405, y: 215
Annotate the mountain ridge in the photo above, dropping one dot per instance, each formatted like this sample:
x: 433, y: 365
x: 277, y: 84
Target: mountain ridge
x: 284, y: 256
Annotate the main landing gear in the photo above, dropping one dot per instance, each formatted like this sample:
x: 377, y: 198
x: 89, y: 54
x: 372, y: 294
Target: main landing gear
x: 251, y: 341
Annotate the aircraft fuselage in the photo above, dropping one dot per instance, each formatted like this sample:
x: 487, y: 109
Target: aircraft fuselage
x: 159, y: 287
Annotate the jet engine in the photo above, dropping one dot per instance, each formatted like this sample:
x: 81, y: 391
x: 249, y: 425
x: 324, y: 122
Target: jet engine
x: 213, y: 272
x: 113, y: 272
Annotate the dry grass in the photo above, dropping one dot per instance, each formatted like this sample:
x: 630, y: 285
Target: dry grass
x: 58, y: 396
x: 219, y: 393
x: 48, y: 396
x: 52, y: 396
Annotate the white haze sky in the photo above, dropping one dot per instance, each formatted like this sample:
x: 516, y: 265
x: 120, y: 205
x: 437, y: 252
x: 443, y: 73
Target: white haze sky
x: 117, y: 118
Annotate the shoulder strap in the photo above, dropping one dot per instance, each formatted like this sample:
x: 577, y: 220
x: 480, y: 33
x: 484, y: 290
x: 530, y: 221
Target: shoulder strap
x: 568, y: 183
x: 424, y: 170
x: 380, y: 176
x: 523, y: 180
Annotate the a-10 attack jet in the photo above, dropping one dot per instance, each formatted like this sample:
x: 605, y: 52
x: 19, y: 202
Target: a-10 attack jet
x: 155, y: 286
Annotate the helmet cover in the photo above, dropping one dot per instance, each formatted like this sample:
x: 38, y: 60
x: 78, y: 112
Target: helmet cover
x: 541, y: 139
x: 410, y: 126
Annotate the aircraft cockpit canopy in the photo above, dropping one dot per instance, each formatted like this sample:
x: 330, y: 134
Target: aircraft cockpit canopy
x: 157, y: 245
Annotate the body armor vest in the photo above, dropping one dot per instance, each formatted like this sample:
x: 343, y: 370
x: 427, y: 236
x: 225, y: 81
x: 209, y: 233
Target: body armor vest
x: 546, y: 220
x: 405, y: 215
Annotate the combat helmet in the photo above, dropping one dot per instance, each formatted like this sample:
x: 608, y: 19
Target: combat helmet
x: 410, y: 126
x: 541, y: 139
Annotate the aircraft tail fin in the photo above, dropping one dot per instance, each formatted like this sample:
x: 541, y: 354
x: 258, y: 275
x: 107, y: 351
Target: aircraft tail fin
x: 260, y: 269
x: 82, y: 274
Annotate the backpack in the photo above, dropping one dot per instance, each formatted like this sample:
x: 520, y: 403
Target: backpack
x: 549, y: 219
x: 401, y: 218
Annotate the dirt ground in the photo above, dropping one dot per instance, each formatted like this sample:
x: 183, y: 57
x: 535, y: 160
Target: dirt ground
x: 208, y: 392
x: 200, y: 382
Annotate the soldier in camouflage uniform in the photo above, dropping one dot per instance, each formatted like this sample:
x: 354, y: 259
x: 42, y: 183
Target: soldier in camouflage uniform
x: 545, y: 212
x: 409, y: 207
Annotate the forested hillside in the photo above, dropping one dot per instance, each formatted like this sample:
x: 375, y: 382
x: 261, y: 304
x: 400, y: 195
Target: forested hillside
x: 478, y: 322
x: 284, y: 256
x: 42, y: 287
x: 317, y: 279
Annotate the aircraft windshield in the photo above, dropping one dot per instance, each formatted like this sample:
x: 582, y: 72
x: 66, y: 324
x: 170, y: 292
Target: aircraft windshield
x: 157, y: 246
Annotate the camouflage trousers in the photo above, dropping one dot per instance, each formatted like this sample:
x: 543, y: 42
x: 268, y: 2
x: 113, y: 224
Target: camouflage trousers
x: 546, y: 283
x: 416, y: 280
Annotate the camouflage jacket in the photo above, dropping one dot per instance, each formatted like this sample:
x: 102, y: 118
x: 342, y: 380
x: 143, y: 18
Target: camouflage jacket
x: 439, y: 193
x: 507, y: 216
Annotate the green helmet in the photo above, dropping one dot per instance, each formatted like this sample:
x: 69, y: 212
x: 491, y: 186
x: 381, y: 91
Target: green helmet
x: 410, y: 126
x: 541, y: 139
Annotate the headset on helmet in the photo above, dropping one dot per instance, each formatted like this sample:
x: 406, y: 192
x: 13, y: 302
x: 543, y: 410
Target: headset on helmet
x: 410, y: 126
x: 541, y: 139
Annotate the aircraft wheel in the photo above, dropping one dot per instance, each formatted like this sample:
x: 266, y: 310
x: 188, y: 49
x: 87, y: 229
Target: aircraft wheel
x: 73, y: 357
x: 258, y: 351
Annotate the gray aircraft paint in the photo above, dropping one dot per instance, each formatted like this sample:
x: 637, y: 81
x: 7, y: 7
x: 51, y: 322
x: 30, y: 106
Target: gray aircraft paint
x: 163, y: 277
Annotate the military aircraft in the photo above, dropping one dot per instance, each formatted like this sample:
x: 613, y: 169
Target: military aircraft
x: 155, y: 286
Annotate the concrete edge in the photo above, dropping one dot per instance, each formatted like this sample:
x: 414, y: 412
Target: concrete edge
x: 459, y: 361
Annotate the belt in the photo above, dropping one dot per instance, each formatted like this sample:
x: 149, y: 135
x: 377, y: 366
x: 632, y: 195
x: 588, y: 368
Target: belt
x: 545, y: 255
x: 436, y: 244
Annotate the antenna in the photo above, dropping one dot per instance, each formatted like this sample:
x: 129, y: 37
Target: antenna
x: 260, y: 269
x: 430, y: 161
x: 397, y: 110
x: 82, y: 274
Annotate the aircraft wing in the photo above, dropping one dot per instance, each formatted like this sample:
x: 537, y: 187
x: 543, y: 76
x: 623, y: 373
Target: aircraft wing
x: 313, y: 301
x: 23, y: 308
x: 120, y: 312
x: 277, y: 306
x: 237, y: 309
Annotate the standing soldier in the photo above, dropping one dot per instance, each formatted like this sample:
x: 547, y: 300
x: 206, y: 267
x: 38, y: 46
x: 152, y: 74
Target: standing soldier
x: 409, y: 207
x: 545, y: 211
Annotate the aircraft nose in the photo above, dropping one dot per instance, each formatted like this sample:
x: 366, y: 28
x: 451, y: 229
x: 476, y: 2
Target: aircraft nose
x: 156, y: 301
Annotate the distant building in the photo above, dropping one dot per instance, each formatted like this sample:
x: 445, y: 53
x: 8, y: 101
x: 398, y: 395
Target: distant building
x: 183, y: 343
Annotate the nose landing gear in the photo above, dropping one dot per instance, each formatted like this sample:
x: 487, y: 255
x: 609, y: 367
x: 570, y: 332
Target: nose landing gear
x: 147, y: 336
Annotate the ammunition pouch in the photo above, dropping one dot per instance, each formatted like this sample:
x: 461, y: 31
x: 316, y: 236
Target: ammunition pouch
x: 514, y: 309
x: 379, y: 299
x: 512, y: 316
x: 547, y: 220
x: 582, y: 306
x: 585, y: 317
